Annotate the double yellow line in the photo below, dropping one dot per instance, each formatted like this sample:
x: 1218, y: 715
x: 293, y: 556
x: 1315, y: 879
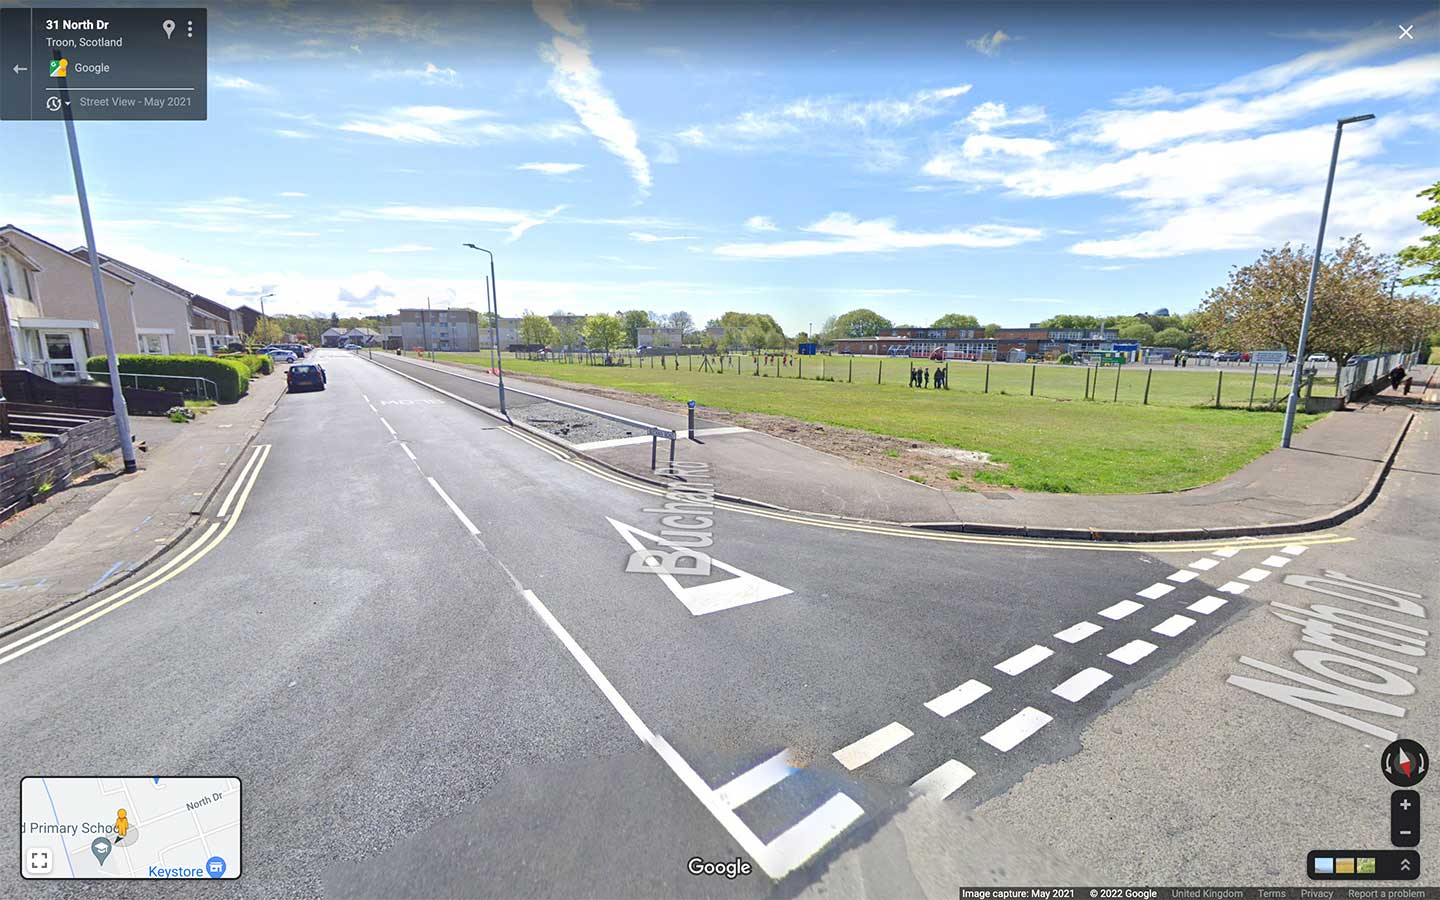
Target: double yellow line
x: 917, y: 534
x: 209, y: 540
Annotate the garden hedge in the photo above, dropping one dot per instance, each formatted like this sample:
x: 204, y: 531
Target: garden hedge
x: 231, y: 377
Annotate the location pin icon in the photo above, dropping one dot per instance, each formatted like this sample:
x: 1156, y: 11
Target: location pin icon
x: 101, y: 848
x: 169, y: 26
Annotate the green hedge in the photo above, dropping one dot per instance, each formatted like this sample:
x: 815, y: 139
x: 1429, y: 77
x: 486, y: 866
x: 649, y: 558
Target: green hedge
x: 232, y: 377
x: 253, y: 362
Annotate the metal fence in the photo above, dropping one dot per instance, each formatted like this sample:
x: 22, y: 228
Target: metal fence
x: 1370, y: 371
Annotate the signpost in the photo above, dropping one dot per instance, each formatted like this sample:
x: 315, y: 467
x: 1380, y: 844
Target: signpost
x: 1269, y: 357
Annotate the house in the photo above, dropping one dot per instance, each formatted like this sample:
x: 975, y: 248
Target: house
x: 657, y: 337
x: 454, y: 328
x: 331, y: 337
x: 17, y: 293
x: 249, y: 320
x: 339, y: 337
x: 226, y: 322
x: 54, y: 329
x: 161, y: 310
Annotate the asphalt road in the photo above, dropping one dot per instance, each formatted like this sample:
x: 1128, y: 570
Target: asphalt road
x: 418, y: 646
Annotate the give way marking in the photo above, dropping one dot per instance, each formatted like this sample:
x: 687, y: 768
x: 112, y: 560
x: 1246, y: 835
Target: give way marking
x: 701, y: 599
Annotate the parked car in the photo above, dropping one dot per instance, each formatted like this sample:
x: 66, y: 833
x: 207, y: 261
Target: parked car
x: 1317, y: 358
x: 297, y: 349
x: 280, y: 355
x: 305, y: 377
x: 351, y: 347
x: 1227, y: 356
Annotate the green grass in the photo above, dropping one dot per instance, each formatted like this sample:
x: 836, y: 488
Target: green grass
x: 1049, y: 444
x: 199, y: 404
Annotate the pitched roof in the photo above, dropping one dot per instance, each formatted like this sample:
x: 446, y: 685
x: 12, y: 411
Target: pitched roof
x: 111, y: 263
x: 25, y: 260
x: 60, y: 250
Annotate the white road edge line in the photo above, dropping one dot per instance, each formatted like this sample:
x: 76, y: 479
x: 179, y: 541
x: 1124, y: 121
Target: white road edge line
x: 942, y: 781
x: 752, y: 783
x: 853, y: 756
x: 1012, y: 731
x: 464, y: 519
x: 235, y: 489
x: 409, y: 454
x: 387, y: 426
x: 779, y: 857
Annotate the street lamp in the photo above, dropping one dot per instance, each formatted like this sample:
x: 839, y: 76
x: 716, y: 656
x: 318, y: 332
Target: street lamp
x: 1310, y: 291
x: 264, y: 318
x: 494, y: 314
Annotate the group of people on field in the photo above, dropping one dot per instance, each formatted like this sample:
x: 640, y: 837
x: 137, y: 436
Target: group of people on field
x: 920, y: 378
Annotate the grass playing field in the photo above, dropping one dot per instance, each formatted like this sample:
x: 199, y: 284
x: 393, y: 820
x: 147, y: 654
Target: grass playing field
x: 1055, y: 441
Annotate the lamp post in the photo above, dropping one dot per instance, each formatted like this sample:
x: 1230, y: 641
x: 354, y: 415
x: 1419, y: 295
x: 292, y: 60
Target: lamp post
x: 264, y: 318
x: 495, y: 324
x: 1294, y: 398
x: 493, y: 349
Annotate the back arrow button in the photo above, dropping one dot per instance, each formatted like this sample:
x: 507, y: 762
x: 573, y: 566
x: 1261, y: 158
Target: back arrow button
x: 19, y: 68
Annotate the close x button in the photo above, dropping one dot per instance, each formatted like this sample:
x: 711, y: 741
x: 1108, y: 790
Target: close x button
x: 1405, y: 818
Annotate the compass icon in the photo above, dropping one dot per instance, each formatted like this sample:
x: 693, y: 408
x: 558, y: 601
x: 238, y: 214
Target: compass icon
x: 1404, y: 763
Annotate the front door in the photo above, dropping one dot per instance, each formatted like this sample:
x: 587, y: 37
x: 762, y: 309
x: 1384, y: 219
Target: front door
x: 63, y: 354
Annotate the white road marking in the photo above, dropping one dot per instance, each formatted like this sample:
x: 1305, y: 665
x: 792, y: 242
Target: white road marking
x: 1132, y: 652
x: 872, y: 745
x: 235, y: 488
x: 464, y: 519
x: 1025, y: 659
x: 942, y: 781
x: 1234, y: 587
x: 1206, y: 605
x: 1293, y: 550
x: 780, y: 856
x: 958, y: 698
x: 1183, y: 576
x: 387, y: 426
x: 373, y: 409
x: 706, y: 598
x: 1276, y: 561
x: 1121, y: 610
x: 1255, y: 574
x: 1227, y: 552
x: 1205, y: 564
x: 1016, y: 729
x: 1079, y: 685
x: 1081, y: 630
x: 752, y: 783
x: 366, y: 397
x: 408, y: 453
x: 1173, y: 625
x: 1155, y: 591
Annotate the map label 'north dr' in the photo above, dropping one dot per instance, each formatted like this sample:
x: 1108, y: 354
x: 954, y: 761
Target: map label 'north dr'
x: 130, y: 827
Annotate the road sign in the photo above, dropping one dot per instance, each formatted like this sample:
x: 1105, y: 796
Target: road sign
x: 1269, y: 357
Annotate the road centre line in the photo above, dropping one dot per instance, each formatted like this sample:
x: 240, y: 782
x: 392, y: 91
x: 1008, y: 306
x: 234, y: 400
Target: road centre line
x: 753, y: 782
x: 957, y: 698
x: 209, y: 540
x: 1081, y: 630
x: 1148, y: 547
x: 459, y: 514
x: 779, y: 857
x: 1008, y: 734
x: 230, y: 497
x: 942, y: 781
x: 1078, y: 686
x: 853, y: 756
x: 1025, y: 659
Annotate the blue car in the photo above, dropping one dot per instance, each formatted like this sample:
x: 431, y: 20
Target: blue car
x: 305, y: 377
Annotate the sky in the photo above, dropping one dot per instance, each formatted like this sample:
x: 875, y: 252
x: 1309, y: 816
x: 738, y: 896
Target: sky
x: 1008, y: 160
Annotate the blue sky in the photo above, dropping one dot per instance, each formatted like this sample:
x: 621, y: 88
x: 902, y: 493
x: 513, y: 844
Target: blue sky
x: 1006, y: 160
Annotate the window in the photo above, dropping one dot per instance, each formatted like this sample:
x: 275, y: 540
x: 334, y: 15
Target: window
x: 158, y: 344
x: 6, y: 273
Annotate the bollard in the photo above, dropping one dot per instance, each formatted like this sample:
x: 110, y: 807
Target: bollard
x: 691, y: 406
x: 987, y: 378
x: 1116, y: 398
x: 1219, y: 381
x: 1087, y: 382
x: 654, y: 448
x: 1148, y: 373
x: 851, y: 377
x: 672, y: 454
x: 880, y: 371
x: 1033, y: 367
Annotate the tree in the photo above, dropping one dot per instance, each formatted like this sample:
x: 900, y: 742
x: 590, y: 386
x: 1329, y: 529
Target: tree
x: 266, y: 332
x: 604, y: 332
x: 992, y: 329
x: 1171, y: 337
x: 859, y: 323
x: 334, y: 320
x: 1138, y: 331
x: 680, y: 320
x: 956, y: 320
x: 632, y: 320
x: 1070, y: 321
x: 1427, y: 252
x: 536, y: 329
x: 1261, y: 304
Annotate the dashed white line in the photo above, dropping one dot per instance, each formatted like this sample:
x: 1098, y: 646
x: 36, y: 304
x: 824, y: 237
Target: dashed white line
x: 1155, y: 591
x: 1227, y: 552
x: 1025, y: 659
x: 1132, y: 652
x: 387, y: 426
x: 943, y: 780
x: 373, y: 409
x: 1205, y: 564
x: 409, y: 454
x: 1077, y: 686
x: 464, y: 519
x: 1276, y: 561
x: 752, y: 783
x: 1183, y: 576
x: 872, y: 745
x: 1121, y: 610
x: 958, y: 698
x: 1016, y: 729
x: 1255, y: 574
x: 1081, y: 630
x: 1206, y: 605
x: 1234, y: 587
x: 1173, y: 625
x: 366, y: 397
x: 1293, y: 550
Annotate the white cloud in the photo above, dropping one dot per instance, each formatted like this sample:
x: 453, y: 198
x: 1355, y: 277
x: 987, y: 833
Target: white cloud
x: 990, y: 115
x: 576, y: 81
x: 453, y: 125
x: 236, y: 83
x: 989, y: 44
x: 427, y: 74
x: 293, y: 194
x: 845, y: 234
x: 403, y: 248
x: 761, y: 223
x: 550, y: 168
x: 646, y: 237
x: 977, y: 146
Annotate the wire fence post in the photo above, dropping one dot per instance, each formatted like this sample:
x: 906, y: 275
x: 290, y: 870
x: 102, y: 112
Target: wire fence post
x: 800, y: 367
x: 879, y: 371
x: 1087, y: 382
x: 1116, y: 398
x: 1250, y: 404
x: 1219, y: 381
x: 1146, y: 400
x: 1275, y: 394
x: 987, y: 378
x: 851, y: 377
x: 1033, y: 367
